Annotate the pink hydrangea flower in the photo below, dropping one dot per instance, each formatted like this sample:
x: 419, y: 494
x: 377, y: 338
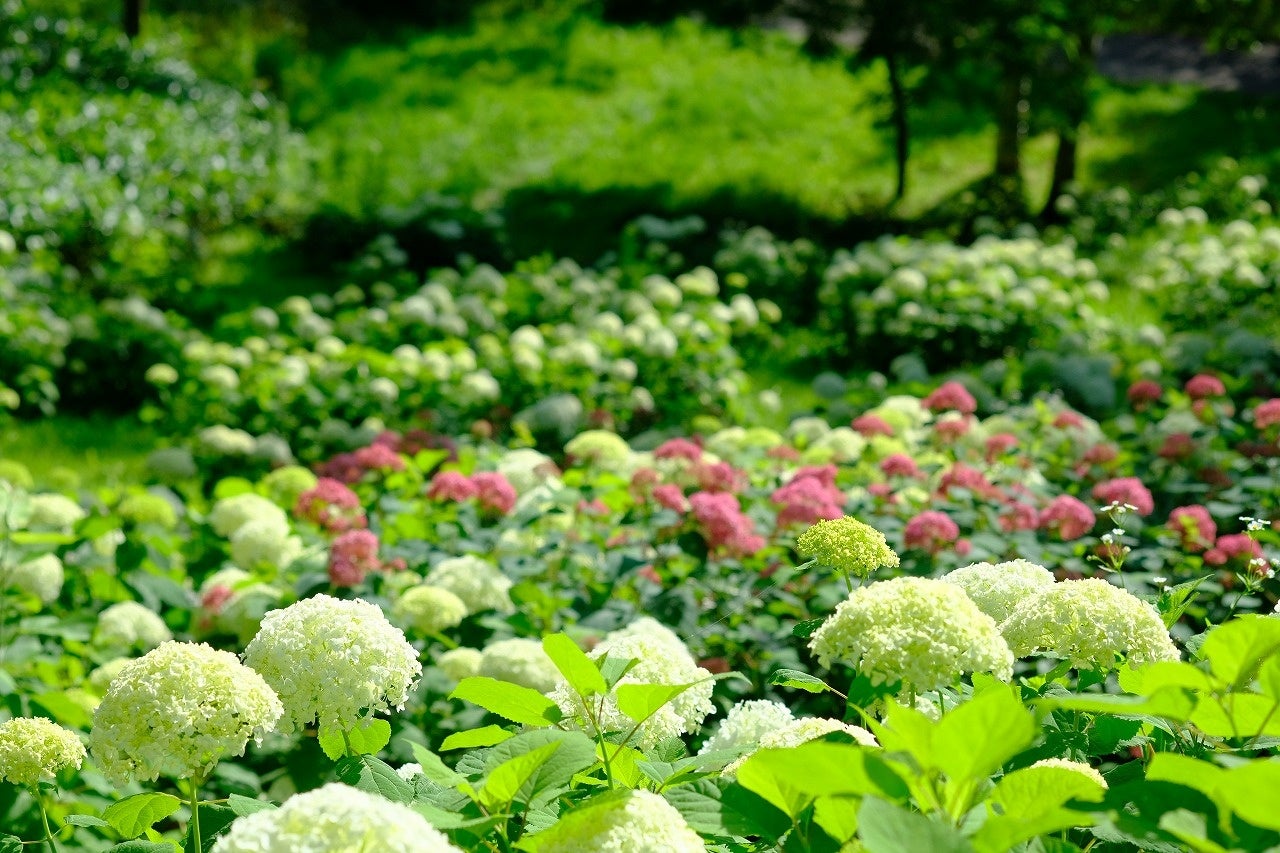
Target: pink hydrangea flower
x: 1144, y: 392
x: 1203, y: 386
x: 451, y: 486
x: 1069, y: 420
x: 1000, y: 444
x: 678, y: 448
x: 951, y: 429
x: 951, y: 395
x: 719, y: 477
x: 723, y: 525
x: 1100, y: 454
x: 353, y: 555
x: 1194, y: 526
x: 494, y: 492
x: 961, y: 476
x: 1020, y: 516
x: 899, y: 465
x: 1267, y: 414
x: 1069, y: 517
x: 378, y: 457
x: 671, y: 497
x: 809, y: 497
x: 1237, y: 547
x: 331, y: 505
x: 1126, y: 490
x: 930, y: 531
x: 872, y: 425
x: 1177, y: 446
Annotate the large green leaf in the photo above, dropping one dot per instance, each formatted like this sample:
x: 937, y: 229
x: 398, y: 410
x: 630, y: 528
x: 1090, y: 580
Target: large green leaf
x: 907, y: 730
x: 641, y: 701
x: 888, y: 828
x: 579, y: 670
x: 975, y: 739
x: 798, y: 680
x: 510, y: 701
x: 1237, y: 648
x: 434, y: 768
x: 473, y: 738
x: 134, y: 815
x: 574, y: 753
x: 504, y: 781
x: 1245, y: 790
x: 1031, y: 803
x: 1172, y: 703
x: 574, y: 823
x: 367, y: 738
x: 376, y: 777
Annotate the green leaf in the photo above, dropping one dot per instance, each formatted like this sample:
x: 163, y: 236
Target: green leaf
x: 214, y: 820
x: 247, y: 805
x: 798, y: 680
x: 1238, y: 715
x: 575, y: 753
x: 502, y: 784
x: 10, y: 844
x: 434, y: 768
x: 144, y: 847
x: 486, y: 736
x: 613, y: 669
x: 838, y: 817
x: 1148, y: 678
x: 579, y: 670
x: 792, y: 779
x: 1241, y: 789
x: 1173, y: 703
x: 975, y: 739
x: 804, y: 630
x: 1031, y: 801
x: 85, y: 820
x: 1185, y: 770
x: 376, y: 777
x: 576, y: 823
x: 509, y: 701
x: 134, y: 815
x: 1174, y: 601
x: 368, y: 738
x: 641, y: 701
x: 887, y: 828
x: 907, y: 730
x: 1236, y: 649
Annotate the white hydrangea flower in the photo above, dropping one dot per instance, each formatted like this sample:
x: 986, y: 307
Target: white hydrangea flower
x: 128, y: 624
x: 1090, y: 623
x: 663, y: 659
x: 1080, y: 767
x: 637, y: 822
x: 746, y: 724
x: 177, y: 711
x: 230, y: 514
x: 264, y: 541
x: 53, y: 512
x: 33, y: 749
x: 41, y: 576
x: 335, y: 818
x: 998, y: 589
x: 409, y: 772
x: 600, y: 448
x: 226, y: 441
x: 334, y: 661
x: 479, y: 583
x: 526, y: 469
x: 100, y: 677
x: 430, y: 609
x: 918, y: 631
x: 801, y: 731
x: 460, y: 663
x: 519, y: 661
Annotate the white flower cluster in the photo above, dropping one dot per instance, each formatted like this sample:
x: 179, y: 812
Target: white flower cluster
x: 54, y: 512
x: 334, y: 661
x: 746, y: 724
x: 40, y: 576
x: 335, y: 818
x: 230, y: 514
x: 998, y: 589
x: 177, y: 711
x: 429, y: 609
x: 33, y: 749
x: 128, y: 624
x: 519, y: 661
x: 479, y: 583
x: 797, y: 732
x: 662, y: 659
x: 922, y: 632
x: 637, y: 822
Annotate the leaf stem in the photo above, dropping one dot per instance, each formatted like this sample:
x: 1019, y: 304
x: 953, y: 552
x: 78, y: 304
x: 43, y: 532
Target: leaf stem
x: 195, y: 815
x: 44, y: 818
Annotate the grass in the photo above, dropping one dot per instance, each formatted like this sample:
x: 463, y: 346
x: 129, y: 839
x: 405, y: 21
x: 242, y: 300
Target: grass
x: 97, y: 451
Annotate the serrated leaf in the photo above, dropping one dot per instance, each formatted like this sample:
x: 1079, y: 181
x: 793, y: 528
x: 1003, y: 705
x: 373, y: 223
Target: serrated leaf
x: 134, y: 815
x: 887, y: 828
x: 510, y: 701
x: 247, y: 805
x: 10, y: 844
x: 503, y: 783
x: 85, y: 820
x: 575, y: 753
x: 368, y: 738
x: 798, y: 680
x: 613, y: 669
x: 792, y: 779
x: 975, y: 739
x: 1236, y: 649
x: 580, y: 671
x: 143, y: 847
x: 474, y: 738
x: 376, y: 777
x: 642, y: 701
x: 214, y: 820
x: 804, y: 630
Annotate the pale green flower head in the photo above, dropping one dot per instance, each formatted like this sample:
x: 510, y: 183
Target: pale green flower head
x: 285, y: 485
x: 264, y: 542
x: 805, y: 431
x: 40, y: 576
x: 839, y: 445
x: 634, y: 822
x: 796, y: 732
x: 848, y: 546
x: 146, y: 508
x: 33, y: 750
x: 54, y: 512
x: 130, y: 625
x: 1086, y: 770
x: 1091, y: 623
x: 663, y: 658
x: 177, y: 711
x: 101, y: 677
x: 999, y: 589
x: 230, y: 514
x: 479, y: 583
x: 225, y: 441
x: 601, y: 448
x: 746, y: 724
x: 519, y: 661
x: 922, y: 632
x: 460, y: 663
x: 16, y: 474
x: 333, y: 661
x: 430, y: 609
x: 334, y: 819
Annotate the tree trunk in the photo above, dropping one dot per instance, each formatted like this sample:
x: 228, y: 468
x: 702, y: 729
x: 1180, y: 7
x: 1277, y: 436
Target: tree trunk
x: 133, y: 18
x: 1064, y: 164
x: 902, y: 129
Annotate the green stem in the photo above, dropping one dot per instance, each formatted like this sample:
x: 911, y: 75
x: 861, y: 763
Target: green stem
x: 44, y: 818
x: 346, y: 739
x: 195, y: 815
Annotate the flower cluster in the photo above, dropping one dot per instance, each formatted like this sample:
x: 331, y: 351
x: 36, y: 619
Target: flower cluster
x: 519, y: 661
x: 352, y: 556
x: 636, y: 822
x: 40, y: 576
x: 429, y: 609
x: 33, y: 749
x: 333, y: 661
x: 848, y: 546
x: 478, y: 583
x: 999, y: 589
x: 331, y: 505
x: 177, y: 711
x: 129, y: 625
x: 491, y: 490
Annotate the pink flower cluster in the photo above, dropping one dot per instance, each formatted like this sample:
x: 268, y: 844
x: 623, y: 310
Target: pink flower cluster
x: 724, y: 526
x: 1267, y: 414
x: 490, y: 489
x: 1194, y: 526
x: 933, y: 531
x: 1126, y: 490
x: 872, y: 425
x: 809, y: 496
x: 961, y: 476
x: 353, y: 555
x: 1069, y: 517
x: 331, y: 505
x: 1239, y: 548
x: 1143, y: 393
x: 1202, y: 386
x: 678, y: 448
x: 951, y: 395
x: 380, y: 456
